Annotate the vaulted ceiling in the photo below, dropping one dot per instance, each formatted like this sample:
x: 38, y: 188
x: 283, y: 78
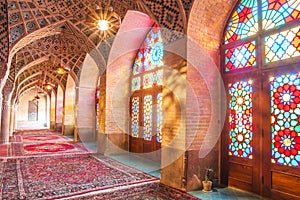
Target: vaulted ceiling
x: 36, y: 29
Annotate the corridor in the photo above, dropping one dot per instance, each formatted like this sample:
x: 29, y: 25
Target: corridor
x: 150, y: 99
x: 42, y: 164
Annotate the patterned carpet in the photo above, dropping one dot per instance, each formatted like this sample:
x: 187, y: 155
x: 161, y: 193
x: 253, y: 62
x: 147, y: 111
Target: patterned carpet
x: 54, y: 148
x: 149, y: 191
x: 33, y: 132
x: 46, y: 167
x: 63, y: 176
x: 43, y: 138
x: 41, y: 142
x: 4, y: 150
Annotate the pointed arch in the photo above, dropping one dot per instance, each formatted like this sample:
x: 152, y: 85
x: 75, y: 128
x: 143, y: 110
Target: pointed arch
x: 85, y: 101
x: 60, y: 96
x: 52, y: 110
x: 69, y: 107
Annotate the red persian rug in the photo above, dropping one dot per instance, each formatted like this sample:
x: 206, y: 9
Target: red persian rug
x: 47, y: 149
x: 148, y: 191
x: 4, y: 150
x: 54, y: 147
x: 16, y: 138
x: 43, y: 138
x: 54, y: 177
x: 34, y: 132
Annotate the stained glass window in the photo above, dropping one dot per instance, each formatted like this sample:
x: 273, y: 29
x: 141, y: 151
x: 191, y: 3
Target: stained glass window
x: 283, y: 45
x: 135, y: 104
x: 243, y: 25
x: 243, y: 22
x: 136, y: 83
x: 151, y: 52
x: 97, y: 103
x: 243, y: 56
x: 240, y: 119
x: 152, y: 79
x: 147, y: 73
x: 148, y: 118
x: 278, y: 12
x: 285, y: 123
x: 262, y: 37
x: 159, y: 118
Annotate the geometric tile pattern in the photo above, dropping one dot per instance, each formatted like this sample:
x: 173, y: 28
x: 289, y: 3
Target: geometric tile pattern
x: 30, y: 16
x: 168, y: 15
x: 187, y: 5
x: 72, y: 52
x: 37, y: 75
x: 38, y: 14
x: 3, y: 33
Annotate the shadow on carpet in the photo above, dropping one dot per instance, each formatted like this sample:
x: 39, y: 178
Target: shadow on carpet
x: 54, y: 177
x: 79, y: 177
x: 149, y: 191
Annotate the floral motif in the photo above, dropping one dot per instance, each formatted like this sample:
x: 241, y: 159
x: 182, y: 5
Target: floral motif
x: 240, y: 119
x: 287, y: 97
x: 285, y: 118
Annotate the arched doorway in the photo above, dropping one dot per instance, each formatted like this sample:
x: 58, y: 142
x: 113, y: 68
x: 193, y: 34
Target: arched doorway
x: 262, y: 77
x: 85, y: 101
x: 32, y: 113
x: 146, y: 98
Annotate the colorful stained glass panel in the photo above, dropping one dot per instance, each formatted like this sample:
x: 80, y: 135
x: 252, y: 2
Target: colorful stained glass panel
x: 136, y: 83
x: 153, y: 79
x: 147, y: 117
x: 243, y: 22
x: 135, y: 116
x: 285, y: 120
x: 240, y: 119
x: 138, y: 63
x: 282, y: 45
x: 159, y: 118
x: 240, y: 57
x: 156, y: 53
x: 151, y: 52
x: 97, y: 101
x: 278, y: 12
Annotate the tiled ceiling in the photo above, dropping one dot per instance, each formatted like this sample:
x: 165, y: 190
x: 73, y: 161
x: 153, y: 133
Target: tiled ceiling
x: 38, y: 27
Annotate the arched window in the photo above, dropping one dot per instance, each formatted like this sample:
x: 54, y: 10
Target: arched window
x: 146, y: 98
x: 261, y: 59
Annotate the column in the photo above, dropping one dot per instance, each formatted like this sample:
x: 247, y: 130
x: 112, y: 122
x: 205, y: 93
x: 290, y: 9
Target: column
x: 5, y: 119
x: 6, y: 111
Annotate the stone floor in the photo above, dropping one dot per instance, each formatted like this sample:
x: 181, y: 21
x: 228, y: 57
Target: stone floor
x: 227, y: 193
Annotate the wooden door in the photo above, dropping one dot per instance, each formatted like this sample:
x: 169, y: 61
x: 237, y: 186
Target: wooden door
x: 146, y: 114
x: 242, y: 135
x: 273, y: 170
x: 281, y: 127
